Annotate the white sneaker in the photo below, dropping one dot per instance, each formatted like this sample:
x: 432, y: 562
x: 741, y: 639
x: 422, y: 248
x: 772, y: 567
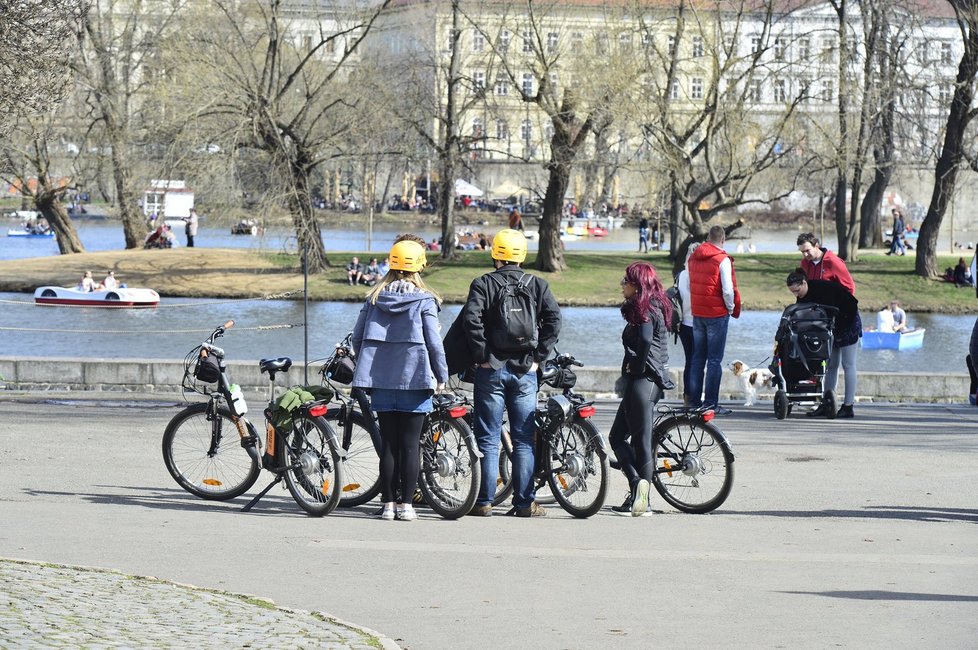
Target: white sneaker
x: 388, y: 512
x: 640, y: 500
x: 405, y: 512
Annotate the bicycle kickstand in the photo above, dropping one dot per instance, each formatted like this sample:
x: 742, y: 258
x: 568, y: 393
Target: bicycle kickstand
x: 251, y: 504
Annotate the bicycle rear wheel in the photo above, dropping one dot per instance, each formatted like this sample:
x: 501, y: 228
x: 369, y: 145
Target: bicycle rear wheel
x: 504, y: 482
x: 361, y: 467
x: 577, y: 471
x: 693, y: 465
x: 450, y: 472
x: 313, y: 471
x: 205, y: 457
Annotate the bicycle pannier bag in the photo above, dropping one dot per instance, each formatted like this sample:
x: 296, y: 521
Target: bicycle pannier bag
x: 514, y: 317
x: 341, y: 369
x: 208, y: 369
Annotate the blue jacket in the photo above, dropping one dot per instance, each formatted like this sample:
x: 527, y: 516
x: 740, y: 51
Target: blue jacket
x: 397, y: 342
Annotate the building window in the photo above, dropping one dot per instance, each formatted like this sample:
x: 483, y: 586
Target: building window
x: 805, y: 88
x: 828, y: 90
x: 480, y: 79
x: 804, y: 50
x: 548, y: 131
x: 478, y: 42
x: 946, y: 53
x: 755, y: 44
x: 527, y: 41
x: 554, y: 82
x: 624, y: 42
x: 779, y: 49
x: 502, y: 130
x: 526, y: 131
x: 528, y: 84
x: 646, y: 40
x: 828, y: 49
x: 696, y: 88
x: 671, y: 46
x: 477, y: 130
x: 504, y: 38
x: 601, y: 43
x: 697, y: 46
x: 577, y: 41
x: 780, y: 91
x: 674, y: 89
x: 553, y: 40
x: 502, y: 86
x: 452, y: 36
x: 755, y: 93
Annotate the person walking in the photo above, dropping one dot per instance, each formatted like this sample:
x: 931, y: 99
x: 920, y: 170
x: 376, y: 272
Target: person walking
x: 646, y: 310
x: 686, y: 326
x: 847, y: 329
x: 714, y: 298
x: 515, y: 220
x: 401, y: 361
x: 191, y: 228
x: 820, y: 263
x: 643, y: 235
x: 896, y: 240
x: 507, y: 347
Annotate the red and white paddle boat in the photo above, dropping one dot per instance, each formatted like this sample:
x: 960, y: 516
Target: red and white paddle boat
x: 121, y: 297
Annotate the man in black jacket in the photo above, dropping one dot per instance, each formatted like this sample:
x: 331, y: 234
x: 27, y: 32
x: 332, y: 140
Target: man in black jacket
x: 505, y: 375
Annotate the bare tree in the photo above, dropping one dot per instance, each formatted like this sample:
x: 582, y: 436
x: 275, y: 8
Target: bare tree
x: 954, y: 152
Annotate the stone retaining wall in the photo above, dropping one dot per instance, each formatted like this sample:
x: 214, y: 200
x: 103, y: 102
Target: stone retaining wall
x: 142, y: 375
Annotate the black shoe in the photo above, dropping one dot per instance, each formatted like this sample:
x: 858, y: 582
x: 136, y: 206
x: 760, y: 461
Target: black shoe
x: 626, y: 507
x: 534, y: 510
x: 720, y: 410
x: 845, y: 411
x: 819, y: 412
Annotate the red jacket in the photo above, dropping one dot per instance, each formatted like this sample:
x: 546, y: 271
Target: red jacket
x: 831, y: 268
x: 705, y: 289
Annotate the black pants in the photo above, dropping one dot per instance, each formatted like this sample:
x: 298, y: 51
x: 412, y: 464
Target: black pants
x: 190, y: 240
x: 400, y: 442
x: 631, y: 432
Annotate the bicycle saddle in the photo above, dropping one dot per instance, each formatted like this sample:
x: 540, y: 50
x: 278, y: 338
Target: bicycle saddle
x: 271, y: 366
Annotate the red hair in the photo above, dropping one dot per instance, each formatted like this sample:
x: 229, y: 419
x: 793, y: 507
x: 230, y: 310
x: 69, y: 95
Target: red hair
x: 649, y: 294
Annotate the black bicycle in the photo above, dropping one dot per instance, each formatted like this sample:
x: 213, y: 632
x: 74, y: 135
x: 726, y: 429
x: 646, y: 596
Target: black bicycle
x: 213, y: 451
x: 571, y: 454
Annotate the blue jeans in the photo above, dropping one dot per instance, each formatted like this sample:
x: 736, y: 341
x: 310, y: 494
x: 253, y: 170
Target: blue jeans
x: 496, y: 390
x: 709, y: 340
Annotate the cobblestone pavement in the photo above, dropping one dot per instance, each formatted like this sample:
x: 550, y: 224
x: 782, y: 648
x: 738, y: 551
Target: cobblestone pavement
x: 45, y: 605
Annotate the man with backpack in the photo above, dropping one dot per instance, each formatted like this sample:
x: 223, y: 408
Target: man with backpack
x: 511, y: 322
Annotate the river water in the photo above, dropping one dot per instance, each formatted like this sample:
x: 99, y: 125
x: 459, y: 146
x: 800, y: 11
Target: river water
x: 169, y: 331
x: 590, y: 333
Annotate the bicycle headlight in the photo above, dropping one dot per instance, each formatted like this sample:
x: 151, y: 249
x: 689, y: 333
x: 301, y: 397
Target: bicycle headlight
x: 558, y: 407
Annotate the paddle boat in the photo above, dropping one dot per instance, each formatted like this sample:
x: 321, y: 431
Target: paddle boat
x: 122, y: 297
x: 24, y: 232
x: 909, y: 340
x: 246, y: 227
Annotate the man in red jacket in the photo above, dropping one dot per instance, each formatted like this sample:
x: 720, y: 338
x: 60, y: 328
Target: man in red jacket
x: 822, y: 264
x: 714, y: 298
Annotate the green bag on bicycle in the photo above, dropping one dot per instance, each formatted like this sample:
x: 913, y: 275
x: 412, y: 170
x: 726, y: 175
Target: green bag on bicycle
x: 293, y: 398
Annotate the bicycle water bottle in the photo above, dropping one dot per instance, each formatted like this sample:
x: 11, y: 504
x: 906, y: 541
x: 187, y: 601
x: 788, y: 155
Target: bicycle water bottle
x: 237, y: 400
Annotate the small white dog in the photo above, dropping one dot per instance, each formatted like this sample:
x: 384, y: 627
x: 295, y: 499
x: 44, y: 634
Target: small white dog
x: 750, y: 379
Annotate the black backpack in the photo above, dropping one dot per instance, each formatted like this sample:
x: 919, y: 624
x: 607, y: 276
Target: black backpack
x: 513, y: 317
x: 677, y: 311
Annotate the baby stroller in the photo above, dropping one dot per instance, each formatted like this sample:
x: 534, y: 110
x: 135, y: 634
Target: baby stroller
x: 802, y: 348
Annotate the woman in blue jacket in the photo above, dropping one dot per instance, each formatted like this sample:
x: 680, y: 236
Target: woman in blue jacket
x: 401, y: 362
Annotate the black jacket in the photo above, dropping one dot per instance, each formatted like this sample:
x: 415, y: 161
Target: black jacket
x: 476, y: 312
x: 848, y: 326
x: 646, y: 349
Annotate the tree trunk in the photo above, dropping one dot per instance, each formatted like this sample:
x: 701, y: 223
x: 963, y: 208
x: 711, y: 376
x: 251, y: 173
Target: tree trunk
x: 952, y: 153
x: 308, y: 235
x: 871, y: 231
x: 49, y: 204
x: 551, y: 250
x: 446, y: 207
x: 840, y: 214
x: 133, y: 224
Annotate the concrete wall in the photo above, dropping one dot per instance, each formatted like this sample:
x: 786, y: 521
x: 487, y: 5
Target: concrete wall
x: 154, y: 375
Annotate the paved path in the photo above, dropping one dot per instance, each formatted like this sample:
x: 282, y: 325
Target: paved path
x: 858, y: 533
x: 52, y: 606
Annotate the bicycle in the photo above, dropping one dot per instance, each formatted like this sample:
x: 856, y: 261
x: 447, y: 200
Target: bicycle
x: 207, y: 463
x: 571, y: 454
x: 450, y: 469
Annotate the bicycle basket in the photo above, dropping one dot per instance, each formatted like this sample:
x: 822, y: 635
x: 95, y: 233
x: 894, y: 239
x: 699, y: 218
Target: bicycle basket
x: 565, y: 378
x: 341, y: 369
x: 208, y: 369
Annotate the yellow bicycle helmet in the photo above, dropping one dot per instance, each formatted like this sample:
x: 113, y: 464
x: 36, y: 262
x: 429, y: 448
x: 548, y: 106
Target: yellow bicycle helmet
x: 509, y: 246
x: 407, y: 256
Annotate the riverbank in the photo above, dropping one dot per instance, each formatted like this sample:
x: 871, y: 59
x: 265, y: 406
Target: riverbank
x: 591, y: 280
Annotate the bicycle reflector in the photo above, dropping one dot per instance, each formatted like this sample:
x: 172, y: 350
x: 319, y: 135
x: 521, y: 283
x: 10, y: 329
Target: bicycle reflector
x: 708, y: 415
x: 586, y: 411
x: 318, y: 410
x: 457, y: 412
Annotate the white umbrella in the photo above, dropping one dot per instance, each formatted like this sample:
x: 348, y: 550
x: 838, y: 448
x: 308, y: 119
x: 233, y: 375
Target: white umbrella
x: 463, y: 188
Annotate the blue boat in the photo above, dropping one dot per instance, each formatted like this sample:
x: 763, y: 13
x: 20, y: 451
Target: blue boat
x: 911, y: 340
x: 21, y: 232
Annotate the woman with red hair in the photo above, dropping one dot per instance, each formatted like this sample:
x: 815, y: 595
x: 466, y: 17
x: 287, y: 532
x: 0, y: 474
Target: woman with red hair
x: 646, y: 310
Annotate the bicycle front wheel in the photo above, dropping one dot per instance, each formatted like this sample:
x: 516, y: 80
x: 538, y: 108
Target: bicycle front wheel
x: 450, y: 472
x: 203, y: 454
x: 313, y: 472
x: 577, y: 469
x: 361, y: 467
x: 504, y: 482
x: 693, y: 465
